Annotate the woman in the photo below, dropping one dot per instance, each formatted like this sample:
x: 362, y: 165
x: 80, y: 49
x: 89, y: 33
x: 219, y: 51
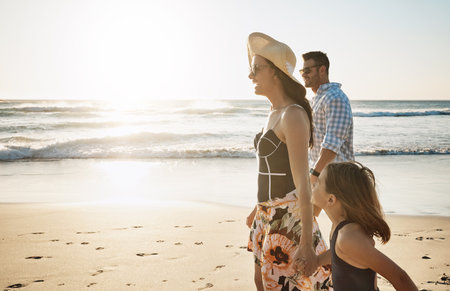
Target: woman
x: 283, y: 229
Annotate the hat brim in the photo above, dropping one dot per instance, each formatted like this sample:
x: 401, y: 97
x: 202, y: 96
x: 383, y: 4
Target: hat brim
x: 275, y: 51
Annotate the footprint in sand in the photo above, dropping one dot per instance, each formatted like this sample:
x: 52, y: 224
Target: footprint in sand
x: 178, y: 244
x: 34, y: 258
x: 144, y: 254
x: 208, y: 285
x: 125, y: 228
x: 429, y: 238
x: 37, y: 257
x: 69, y: 243
x: 160, y: 241
x: 85, y: 243
x: 54, y: 240
x: 97, y: 273
x: 243, y: 247
x: 426, y: 257
x: 198, y: 243
x: 87, y: 232
x: 228, y: 246
x: 99, y: 248
x: 31, y: 233
x: 91, y: 284
x: 443, y: 280
x: 18, y: 285
x: 130, y: 284
x: 219, y: 267
x: 228, y: 220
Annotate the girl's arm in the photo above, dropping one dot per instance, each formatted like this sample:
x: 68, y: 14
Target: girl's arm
x: 358, y: 247
x: 295, y: 129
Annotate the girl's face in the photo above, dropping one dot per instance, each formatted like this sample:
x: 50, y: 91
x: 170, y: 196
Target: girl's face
x: 262, y: 75
x: 319, y: 194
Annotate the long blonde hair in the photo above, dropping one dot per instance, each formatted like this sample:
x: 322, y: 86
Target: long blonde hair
x: 354, y: 186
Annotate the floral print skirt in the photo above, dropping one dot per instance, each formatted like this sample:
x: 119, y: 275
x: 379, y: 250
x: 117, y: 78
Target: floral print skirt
x: 274, y: 237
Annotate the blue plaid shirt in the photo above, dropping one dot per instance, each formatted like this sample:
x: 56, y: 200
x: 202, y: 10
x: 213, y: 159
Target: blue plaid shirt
x: 333, y: 123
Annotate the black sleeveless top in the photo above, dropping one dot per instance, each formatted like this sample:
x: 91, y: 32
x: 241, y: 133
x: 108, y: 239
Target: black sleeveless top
x: 275, y: 176
x: 345, y: 276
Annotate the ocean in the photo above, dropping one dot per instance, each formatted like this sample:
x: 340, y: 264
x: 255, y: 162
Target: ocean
x: 210, y: 133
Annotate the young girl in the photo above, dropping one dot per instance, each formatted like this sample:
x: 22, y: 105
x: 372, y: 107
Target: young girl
x: 346, y: 191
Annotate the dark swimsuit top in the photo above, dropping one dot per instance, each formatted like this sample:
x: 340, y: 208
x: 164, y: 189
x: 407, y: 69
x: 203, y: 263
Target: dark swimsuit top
x: 345, y: 276
x: 275, y: 176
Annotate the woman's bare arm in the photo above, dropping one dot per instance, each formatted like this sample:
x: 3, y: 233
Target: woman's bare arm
x: 295, y: 129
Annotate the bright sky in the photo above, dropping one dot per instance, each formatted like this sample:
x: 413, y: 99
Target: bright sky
x: 125, y: 50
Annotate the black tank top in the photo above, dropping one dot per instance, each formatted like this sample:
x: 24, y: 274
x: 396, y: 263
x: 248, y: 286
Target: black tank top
x: 345, y: 276
x: 275, y: 176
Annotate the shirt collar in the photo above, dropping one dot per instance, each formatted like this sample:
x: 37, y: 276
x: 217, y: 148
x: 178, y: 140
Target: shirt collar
x: 326, y: 86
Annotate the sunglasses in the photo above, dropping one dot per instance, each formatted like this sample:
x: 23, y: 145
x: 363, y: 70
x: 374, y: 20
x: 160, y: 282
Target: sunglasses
x: 307, y: 70
x: 255, y: 68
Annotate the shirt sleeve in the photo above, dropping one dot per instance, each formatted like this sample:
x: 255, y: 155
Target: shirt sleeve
x: 338, y: 116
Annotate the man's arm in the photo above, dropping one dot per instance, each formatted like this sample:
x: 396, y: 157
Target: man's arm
x: 338, y: 116
x: 326, y: 156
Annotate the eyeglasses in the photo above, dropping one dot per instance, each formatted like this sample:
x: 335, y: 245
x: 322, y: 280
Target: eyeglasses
x: 307, y: 70
x: 255, y: 68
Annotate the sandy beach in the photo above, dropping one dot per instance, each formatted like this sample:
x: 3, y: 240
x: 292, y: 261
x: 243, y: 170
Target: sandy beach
x: 171, y: 246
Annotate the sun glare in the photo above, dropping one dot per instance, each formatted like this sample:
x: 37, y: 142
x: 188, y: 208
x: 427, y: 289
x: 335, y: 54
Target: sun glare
x: 126, y: 180
x: 123, y: 104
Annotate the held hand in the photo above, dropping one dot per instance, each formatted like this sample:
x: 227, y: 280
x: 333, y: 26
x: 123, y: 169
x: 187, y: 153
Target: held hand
x: 312, y: 180
x: 249, y: 221
x: 250, y: 218
x: 306, y: 261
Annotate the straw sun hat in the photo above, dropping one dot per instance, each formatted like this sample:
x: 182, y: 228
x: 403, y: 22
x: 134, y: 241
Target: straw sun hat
x: 277, y: 52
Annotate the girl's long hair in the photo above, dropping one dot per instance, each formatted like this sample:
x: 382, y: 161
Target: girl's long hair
x: 298, y: 93
x: 354, y: 186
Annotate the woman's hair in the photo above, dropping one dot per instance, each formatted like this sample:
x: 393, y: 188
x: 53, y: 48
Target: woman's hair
x: 298, y: 93
x: 354, y: 186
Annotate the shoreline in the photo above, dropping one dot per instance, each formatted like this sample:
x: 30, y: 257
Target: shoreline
x: 172, y: 245
x: 402, y: 182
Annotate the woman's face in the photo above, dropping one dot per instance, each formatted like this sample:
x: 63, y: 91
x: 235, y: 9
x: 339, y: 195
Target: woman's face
x: 262, y: 76
x: 319, y: 193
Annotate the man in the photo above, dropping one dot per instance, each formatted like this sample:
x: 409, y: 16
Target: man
x: 332, y: 115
